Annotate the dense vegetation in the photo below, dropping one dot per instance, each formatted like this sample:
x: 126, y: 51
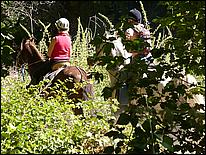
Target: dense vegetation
x: 31, y: 124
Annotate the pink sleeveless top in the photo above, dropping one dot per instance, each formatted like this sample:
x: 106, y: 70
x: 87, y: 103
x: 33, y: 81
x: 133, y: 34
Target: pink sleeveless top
x: 62, y: 48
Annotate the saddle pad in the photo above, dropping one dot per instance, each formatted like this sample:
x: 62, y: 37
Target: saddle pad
x: 51, y: 75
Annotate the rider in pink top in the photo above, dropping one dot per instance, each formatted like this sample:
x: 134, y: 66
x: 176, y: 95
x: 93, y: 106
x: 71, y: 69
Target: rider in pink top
x: 60, y: 47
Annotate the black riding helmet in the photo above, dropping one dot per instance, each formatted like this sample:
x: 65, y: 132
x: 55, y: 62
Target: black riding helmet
x: 135, y: 14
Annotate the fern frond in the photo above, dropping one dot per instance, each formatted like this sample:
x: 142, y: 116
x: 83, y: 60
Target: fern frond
x: 107, y: 20
x: 144, y: 15
x: 25, y: 30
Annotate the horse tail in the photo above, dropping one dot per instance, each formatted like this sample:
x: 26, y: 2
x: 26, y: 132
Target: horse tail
x: 88, y: 93
x: 88, y: 88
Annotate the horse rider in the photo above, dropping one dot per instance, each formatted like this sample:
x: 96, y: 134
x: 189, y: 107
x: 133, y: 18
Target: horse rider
x: 60, y: 48
x: 139, y: 31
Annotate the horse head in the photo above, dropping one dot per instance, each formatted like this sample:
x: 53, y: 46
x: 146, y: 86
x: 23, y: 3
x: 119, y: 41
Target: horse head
x: 28, y: 52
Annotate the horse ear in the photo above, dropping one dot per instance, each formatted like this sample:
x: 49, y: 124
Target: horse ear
x: 32, y: 40
x: 22, y: 44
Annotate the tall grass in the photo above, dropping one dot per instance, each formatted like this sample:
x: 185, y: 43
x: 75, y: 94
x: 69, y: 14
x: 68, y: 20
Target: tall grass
x: 32, y: 124
x: 80, y: 51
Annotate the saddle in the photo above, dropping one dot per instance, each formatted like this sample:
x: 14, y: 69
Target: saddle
x: 52, y: 74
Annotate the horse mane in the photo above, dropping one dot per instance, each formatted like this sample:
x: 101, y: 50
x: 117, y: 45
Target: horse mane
x: 33, y: 47
x: 29, y: 44
x: 25, y: 45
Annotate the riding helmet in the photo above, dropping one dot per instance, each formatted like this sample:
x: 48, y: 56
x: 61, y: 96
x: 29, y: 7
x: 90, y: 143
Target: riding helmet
x: 62, y: 24
x: 134, y: 13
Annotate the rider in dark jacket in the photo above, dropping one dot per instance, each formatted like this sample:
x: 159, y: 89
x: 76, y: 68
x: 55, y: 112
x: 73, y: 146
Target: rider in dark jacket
x: 139, y: 31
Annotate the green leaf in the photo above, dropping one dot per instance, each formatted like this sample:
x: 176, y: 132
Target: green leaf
x: 107, y: 93
x: 97, y: 41
x: 168, y: 143
x: 171, y: 104
x: 5, y: 134
x: 107, y: 48
x: 123, y: 119
x: 109, y: 149
x: 181, y: 89
x: 142, y: 100
x: 149, y: 91
x: 169, y: 116
x: 134, y: 120
x: 146, y: 125
x: 184, y: 106
x: 11, y: 128
x: 179, y: 14
x: 117, y: 150
x: 112, y: 133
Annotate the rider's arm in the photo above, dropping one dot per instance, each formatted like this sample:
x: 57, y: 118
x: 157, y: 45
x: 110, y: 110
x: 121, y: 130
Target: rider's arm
x: 51, y: 47
x: 70, y: 47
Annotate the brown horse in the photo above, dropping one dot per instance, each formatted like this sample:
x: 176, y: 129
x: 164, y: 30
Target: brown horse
x: 71, y: 75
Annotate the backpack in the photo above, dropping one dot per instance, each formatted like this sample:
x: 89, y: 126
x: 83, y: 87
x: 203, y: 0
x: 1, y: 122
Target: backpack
x: 143, y: 32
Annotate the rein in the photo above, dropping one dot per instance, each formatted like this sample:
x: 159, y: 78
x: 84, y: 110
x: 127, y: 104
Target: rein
x: 34, y: 62
x: 80, y: 73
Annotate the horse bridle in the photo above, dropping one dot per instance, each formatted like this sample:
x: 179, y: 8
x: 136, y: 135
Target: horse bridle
x: 26, y: 62
x: 18, y: 56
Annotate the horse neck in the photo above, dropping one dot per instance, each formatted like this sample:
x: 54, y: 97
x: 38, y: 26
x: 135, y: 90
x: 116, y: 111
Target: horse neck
x: 35, y: 61
x: 34, y: 56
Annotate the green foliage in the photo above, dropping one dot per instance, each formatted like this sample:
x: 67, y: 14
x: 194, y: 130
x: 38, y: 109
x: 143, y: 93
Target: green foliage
x: 160, y: 124
x: 16, y: 15
x: 82, y: 50
x: 81, y: 47
x: 46, y: 38
x: 7, y: 51
x: 32, y: 124
x: 187, y: 22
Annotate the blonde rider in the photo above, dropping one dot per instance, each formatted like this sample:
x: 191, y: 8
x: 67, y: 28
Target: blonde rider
x: 60, y: 48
